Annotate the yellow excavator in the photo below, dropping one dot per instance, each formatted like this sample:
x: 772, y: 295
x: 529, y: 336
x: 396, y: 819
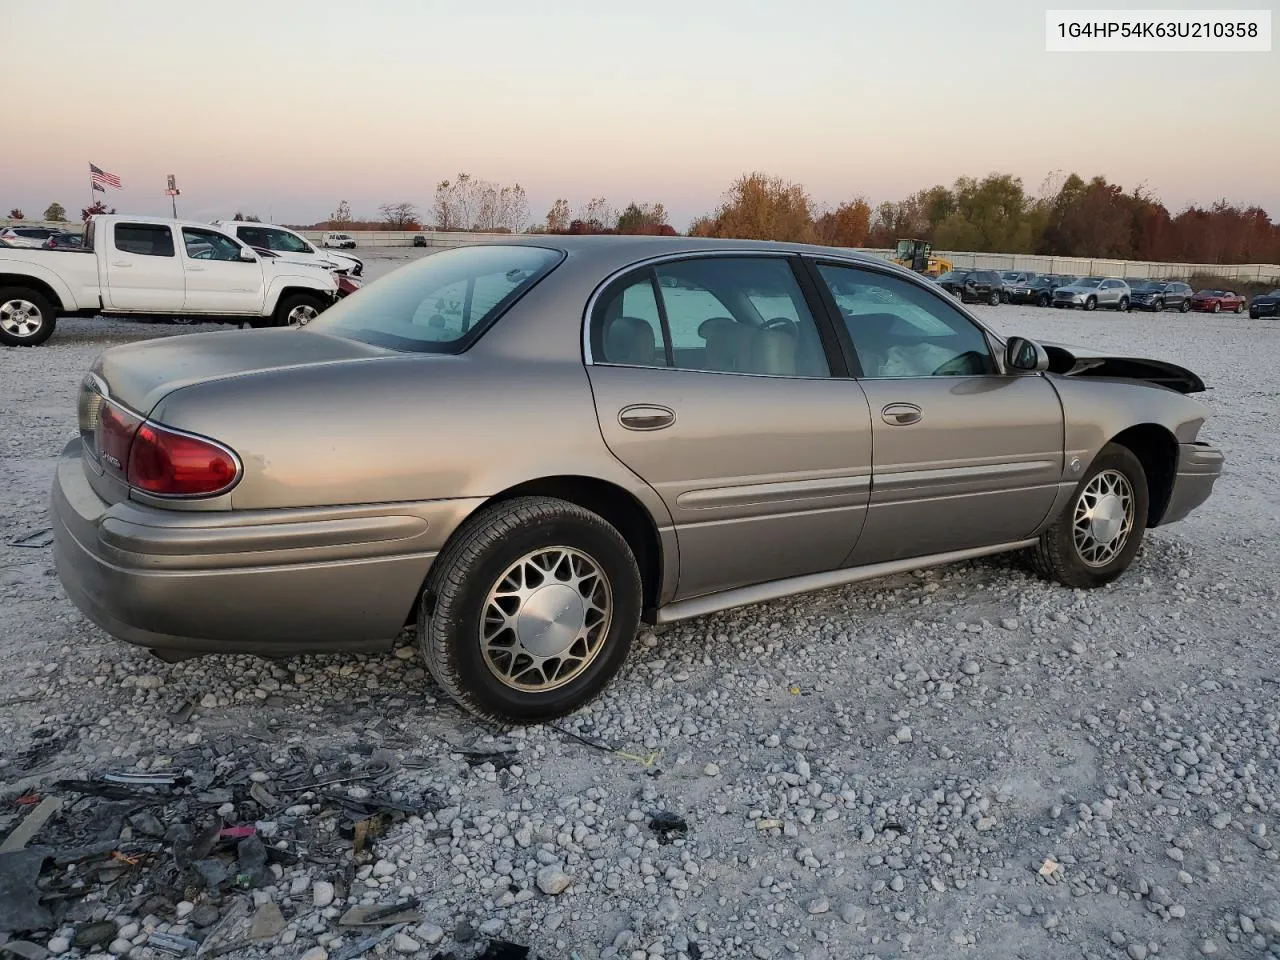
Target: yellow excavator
x: 918, y: 255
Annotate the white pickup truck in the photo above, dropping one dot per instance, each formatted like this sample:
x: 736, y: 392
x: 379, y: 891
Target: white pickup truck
x: 141, y: 267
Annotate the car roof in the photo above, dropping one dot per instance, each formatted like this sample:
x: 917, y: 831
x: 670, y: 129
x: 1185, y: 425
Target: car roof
x: 252, y: 223
x: 612, y: 252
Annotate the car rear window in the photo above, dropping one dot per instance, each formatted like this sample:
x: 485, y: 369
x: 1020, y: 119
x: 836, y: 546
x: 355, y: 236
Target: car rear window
x: 442, y: 303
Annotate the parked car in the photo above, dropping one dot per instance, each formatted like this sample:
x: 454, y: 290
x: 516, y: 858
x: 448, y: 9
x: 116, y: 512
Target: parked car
x: 420, y: 240
x: 1037, y: 288
x: 289, y: 246
x: 26, y: 236
x: 148, y: 267
x: 1092, y: 293
x: 1265, y: 305
x: 1215, y: 301
x: 64, y: 240
x: 1159, y: 295
x: 973, y: 286
x: 343, y: 241
x: 787, y: 418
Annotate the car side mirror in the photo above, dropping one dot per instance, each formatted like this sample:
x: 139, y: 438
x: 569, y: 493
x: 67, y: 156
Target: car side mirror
x: 248, y: 258
x: 1023, y: 354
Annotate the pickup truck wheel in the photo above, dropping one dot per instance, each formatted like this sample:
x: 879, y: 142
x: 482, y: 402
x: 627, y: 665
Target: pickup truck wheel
x: 26, y: 317
x: 1097, y: 535
x: 530, y: 610
x: 298, y: 310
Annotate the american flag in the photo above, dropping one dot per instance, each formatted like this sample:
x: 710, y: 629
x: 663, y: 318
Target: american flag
x: 99, y: 176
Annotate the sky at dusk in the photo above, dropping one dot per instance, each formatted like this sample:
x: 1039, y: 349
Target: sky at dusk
x: 283, y: 108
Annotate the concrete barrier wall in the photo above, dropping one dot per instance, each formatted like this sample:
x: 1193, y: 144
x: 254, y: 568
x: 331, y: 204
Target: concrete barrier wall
x: 1075, y: 266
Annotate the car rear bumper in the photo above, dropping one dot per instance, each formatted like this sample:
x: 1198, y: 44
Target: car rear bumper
x: 269, y: 582
x: 1199, y: 466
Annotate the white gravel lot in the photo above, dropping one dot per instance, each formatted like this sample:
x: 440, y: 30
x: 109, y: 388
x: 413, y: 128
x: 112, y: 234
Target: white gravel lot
x: 865, y: 772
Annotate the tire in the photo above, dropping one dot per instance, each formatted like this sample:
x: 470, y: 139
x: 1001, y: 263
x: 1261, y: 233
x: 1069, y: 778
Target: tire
x: 993, y: 298
x: 1239, y: 308
x: 1084, y: 561
x: 1158, y: 306
x: 1091, y: 303
x: 1184, y: 306
x: 27, y: 318
x: 1042, y: 300
x: 526, y: 534
x: 292, y: 311
x: 1123, y: 305
x: 1217, y: 306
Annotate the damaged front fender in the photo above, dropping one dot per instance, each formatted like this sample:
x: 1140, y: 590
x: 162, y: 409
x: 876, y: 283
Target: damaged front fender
x: 1080, y: 362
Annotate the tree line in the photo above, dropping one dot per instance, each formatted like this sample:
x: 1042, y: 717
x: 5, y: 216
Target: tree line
x: 1069, y: 216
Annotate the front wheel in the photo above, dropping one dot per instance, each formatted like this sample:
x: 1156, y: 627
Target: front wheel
x: 27, y: 318
x: 298, y: 310
x: 1042, y: 300
x: 1091, y: 303
x: 530, y: 610
x: 1097, y: 536
x: 1158, y: 306
x: 1217, y: 307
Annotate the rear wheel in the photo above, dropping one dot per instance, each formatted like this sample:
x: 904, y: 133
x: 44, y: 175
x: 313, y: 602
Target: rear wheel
x: 1217, y: 306
x: 26, y: 317
x: 1096, y: 537
x: 1239, y: 307
x: 298, y: 310
x: 993, y: 298
x: 530, y: 610
x: 1184, y: 306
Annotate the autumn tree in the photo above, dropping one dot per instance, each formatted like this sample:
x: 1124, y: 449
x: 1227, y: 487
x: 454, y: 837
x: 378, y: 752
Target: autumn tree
x: 16, y: 214
x: 399, y: 216
x: 988, y: 216
x: 55, y: 213
x: 596, y: 216
x: 760, y: 207
x: 341, y: 218
x: 247, y: 217
x: 845, y: 226
x: 97, y: 208
x: 644, y: 218
x: 558, y: 217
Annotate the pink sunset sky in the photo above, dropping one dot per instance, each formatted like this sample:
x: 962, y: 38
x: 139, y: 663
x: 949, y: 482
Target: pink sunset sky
x: 284, y: 108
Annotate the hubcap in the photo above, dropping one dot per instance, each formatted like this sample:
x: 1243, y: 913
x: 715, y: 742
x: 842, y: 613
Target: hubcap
x: 20, y: 318
x: 1103, y: 518
x: 546, y: 619
x: 301, y: 315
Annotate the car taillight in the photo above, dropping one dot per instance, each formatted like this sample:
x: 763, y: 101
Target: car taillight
x: 167, y: 463
x: 113, y: 436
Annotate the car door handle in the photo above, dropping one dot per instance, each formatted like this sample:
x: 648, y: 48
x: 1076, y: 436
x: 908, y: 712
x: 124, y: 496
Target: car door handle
x: 646, y: 416
x: 194, y: 269
x: 121, y: 263
x: 901, y: 414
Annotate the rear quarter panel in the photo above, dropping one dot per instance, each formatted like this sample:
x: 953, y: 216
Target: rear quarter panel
x: 405, y: 428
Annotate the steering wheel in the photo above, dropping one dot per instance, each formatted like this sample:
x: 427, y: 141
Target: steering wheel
x: 959, y: 365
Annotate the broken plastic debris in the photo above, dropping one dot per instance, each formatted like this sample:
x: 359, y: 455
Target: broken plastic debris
x: 20, y: 908
x: 172, y: 943
x: 368, y: 943
x: 29, y: 827
x: 1048, y: 867
x: 374, y: 915
x: 768, y: 824
x: 38, y: 538
x: 504, y: 950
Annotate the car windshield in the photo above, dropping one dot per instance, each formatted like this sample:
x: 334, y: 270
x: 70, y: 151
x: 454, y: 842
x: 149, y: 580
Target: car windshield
x: 1088, y: 282
x: 954, y: 275
x: 442, y: 303
x: 1146, y: 287
x: 1212, y: 293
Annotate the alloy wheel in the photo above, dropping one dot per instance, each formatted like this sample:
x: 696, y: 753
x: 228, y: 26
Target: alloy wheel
x: 301, y: 315
x: 20, y: 318
x: 1103, y: 518
x: 545, y: 619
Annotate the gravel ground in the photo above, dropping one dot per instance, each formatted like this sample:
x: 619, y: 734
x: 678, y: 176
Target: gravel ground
x: 963, y: 762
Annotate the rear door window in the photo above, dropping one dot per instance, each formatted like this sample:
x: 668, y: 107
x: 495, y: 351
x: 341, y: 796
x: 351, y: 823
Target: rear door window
x: 144, y: 239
